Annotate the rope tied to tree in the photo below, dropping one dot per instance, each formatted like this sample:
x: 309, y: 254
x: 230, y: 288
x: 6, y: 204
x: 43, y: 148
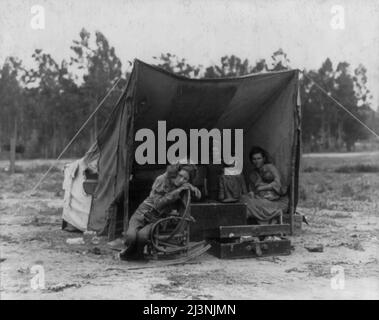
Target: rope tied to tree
x: 340, y: 105
x: 74, y: 137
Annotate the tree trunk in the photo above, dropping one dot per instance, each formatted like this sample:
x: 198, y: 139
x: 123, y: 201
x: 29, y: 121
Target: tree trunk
x: 323, y: 134
x: 95, y: 129
x: 12, y: 151
x: 349, y: 146
x: 95, y: 119
x: 330, y: 138
x: 54, y: 146
x: 52, y: 143
x: 340, y: 135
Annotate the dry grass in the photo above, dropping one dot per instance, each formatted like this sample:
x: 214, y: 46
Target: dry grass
x: 340, y: 183
x: 363, y: 168
x: 24, y: 182
x: 352, y: 162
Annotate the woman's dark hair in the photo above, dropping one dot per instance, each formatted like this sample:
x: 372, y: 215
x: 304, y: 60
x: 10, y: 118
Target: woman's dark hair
x: 191, y: 169
x: 173, y: 170
x: 255, y: 150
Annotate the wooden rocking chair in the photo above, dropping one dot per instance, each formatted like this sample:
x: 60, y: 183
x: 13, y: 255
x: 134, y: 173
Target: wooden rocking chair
x: 169, y: 237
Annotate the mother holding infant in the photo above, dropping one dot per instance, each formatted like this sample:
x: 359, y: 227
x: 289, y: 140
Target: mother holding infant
x: 265, y: 200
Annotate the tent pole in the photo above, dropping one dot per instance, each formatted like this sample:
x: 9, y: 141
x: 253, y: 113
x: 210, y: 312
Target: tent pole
x: 131, y: 108
x: 292, y: 200
x: 129, y: 157
x: 294, y: 158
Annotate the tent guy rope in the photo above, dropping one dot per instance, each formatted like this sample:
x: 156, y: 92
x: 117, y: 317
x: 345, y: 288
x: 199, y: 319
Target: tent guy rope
x: 74, y: 137
x: 340, y: 105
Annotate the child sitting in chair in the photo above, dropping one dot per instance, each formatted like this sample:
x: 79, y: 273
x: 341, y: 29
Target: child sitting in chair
x: 164, y: 198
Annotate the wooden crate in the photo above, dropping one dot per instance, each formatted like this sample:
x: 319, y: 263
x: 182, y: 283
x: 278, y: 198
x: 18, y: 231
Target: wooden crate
x: 210, y: 216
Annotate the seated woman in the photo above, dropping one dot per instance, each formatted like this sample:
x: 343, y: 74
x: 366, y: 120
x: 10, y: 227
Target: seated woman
x: 266, y: 200
x: 231, y: 185
x: 165, y: 197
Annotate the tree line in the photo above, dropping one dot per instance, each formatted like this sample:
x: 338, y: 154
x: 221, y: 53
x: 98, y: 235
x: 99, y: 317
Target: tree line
x: 42, y: 107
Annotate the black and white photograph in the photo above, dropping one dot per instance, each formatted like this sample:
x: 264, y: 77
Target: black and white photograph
x: 217, y: 150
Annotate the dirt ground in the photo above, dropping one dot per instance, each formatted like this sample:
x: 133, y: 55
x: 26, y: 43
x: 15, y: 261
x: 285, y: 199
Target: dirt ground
x: 338, y: 195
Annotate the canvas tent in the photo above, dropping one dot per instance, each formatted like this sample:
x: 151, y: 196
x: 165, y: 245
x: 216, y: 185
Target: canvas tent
x: 266, y: 106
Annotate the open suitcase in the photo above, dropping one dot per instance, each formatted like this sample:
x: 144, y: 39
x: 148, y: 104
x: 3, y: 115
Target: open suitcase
x: 224, y: 227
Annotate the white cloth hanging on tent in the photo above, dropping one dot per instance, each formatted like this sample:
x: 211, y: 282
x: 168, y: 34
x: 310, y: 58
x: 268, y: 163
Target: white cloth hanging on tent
x: 70, y: 171
x: 76, y: 204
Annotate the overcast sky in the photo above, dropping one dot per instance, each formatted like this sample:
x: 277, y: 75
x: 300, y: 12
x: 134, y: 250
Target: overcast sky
x: 202, y: 31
